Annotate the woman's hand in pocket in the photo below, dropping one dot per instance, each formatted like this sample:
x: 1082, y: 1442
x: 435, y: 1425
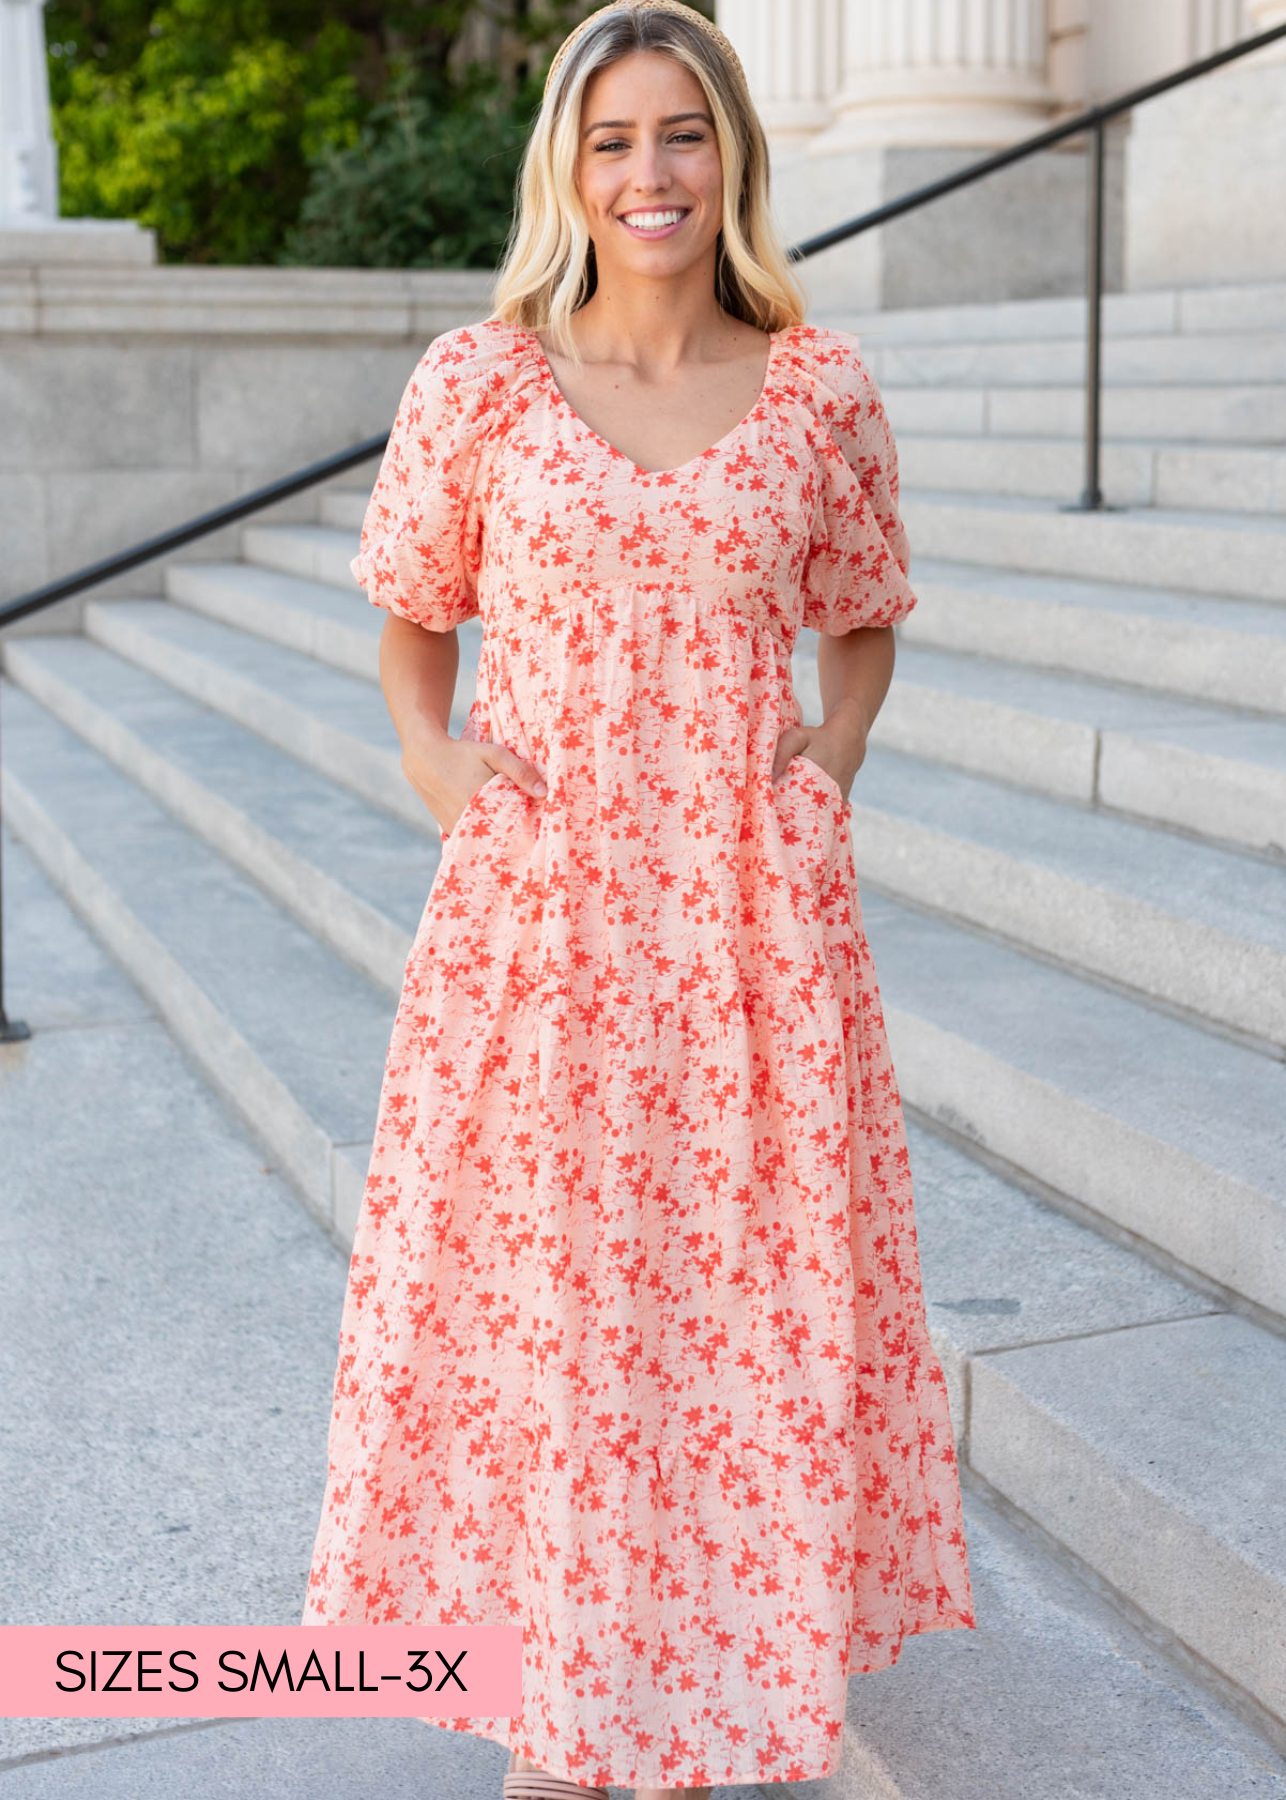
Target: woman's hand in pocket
x: 839, y: 752
x: 447, y: 772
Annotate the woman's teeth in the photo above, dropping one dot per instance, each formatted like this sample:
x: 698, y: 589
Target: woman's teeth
x: 654, y: 221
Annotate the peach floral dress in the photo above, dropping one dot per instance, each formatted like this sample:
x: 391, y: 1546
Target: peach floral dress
x: 633, y: 1352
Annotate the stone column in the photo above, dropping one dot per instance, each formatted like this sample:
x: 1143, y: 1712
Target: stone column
x: 941, y: 72
x: 31, y: 231
x: 1205, y: 181
x: 28, y: 160
x: 1262, y: 15
x: 791, y: 55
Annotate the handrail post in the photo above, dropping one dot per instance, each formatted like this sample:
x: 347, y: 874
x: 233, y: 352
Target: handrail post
x: 11, y: 1030
x: 1093, y: 495
x: 1091, y: 499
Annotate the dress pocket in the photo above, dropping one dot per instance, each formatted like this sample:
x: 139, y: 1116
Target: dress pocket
x: 475, y: 800
x: 811, y: 812
x: 825, y: 780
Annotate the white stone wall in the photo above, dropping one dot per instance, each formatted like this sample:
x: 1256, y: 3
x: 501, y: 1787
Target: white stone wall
x: 133, y: 399
x: 908, y: 88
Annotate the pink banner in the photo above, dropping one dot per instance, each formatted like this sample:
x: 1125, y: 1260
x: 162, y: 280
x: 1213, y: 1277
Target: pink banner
x: 238, y: 1671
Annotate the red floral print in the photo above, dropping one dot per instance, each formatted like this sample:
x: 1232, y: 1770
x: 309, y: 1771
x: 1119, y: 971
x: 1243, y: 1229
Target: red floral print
x: 633, y: 1351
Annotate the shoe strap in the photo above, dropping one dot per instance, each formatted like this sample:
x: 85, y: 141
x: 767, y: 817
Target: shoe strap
x: 529, y: 1784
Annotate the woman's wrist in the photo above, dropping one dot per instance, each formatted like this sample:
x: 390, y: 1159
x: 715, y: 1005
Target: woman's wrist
x: 846, y: 725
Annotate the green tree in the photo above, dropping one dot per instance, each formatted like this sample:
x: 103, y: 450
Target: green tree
x: 429, y: 182
x: 204, y: 127
x: 258, y: 131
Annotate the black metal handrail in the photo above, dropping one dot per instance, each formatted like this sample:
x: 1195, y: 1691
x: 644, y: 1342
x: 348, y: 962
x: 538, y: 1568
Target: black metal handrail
x: 1092, y: 120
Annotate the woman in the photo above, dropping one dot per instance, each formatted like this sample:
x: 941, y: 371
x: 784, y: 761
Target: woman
x: 634, y: 1351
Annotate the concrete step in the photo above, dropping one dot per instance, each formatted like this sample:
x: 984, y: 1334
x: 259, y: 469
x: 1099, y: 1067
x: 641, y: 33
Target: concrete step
x: 343, y: 509
x: 317, y: 552
x: 330, y: 624
x: 1224, y: 413
x: 1235, y: 478
x: 1053, y: 1697
x: 1144, y: 1451
x: 1213, y: 554
x: 354, y: 876
x: 333, y: 722
x: 1195, y: 926
x: 283, y: 1029
x: 1153, y: 1129
x: 1094, y: 1394
x: 1244, y: 306
x: 1130, y: 360
x: 1200, y: 646
x: 321, y: 620
x: 1210, y: 770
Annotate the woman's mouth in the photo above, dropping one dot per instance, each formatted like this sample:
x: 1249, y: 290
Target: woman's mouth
x: 654, y: 221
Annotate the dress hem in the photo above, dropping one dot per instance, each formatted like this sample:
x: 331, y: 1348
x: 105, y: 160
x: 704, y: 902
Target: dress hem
x: 701, y: 1777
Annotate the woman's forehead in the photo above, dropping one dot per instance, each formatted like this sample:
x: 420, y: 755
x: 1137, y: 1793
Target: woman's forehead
x: 638, y: 86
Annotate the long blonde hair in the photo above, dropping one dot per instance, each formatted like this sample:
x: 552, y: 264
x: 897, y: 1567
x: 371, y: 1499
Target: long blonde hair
x: 548, y: 268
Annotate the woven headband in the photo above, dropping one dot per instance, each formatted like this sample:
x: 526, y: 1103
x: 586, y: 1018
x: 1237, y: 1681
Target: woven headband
x: 674, y: 7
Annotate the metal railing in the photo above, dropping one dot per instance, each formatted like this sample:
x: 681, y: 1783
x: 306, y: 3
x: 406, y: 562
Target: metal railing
x: 1093, y: 120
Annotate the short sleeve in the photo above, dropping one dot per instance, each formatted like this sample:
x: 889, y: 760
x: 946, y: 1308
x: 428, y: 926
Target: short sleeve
x: 859, y: 557
x: 420, y: 547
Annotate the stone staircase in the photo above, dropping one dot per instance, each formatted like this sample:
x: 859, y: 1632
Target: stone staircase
x: 1070, y: 832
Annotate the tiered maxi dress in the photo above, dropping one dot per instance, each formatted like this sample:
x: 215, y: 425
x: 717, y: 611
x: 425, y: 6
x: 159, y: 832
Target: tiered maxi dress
x: 633, y: 1352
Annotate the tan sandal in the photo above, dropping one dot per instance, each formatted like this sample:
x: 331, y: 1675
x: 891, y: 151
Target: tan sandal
x: 531, y: 1784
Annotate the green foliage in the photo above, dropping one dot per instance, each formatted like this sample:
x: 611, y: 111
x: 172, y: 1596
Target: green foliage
x: 335, y: 132
x: 429, y: 183
x: 208, y: 135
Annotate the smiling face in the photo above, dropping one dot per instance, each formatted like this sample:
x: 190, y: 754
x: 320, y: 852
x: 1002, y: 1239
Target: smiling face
x: 648, y: 169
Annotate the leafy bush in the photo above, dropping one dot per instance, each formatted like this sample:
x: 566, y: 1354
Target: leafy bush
x: 331, y: 132
x: 209, y: 135
x: 429, y: 182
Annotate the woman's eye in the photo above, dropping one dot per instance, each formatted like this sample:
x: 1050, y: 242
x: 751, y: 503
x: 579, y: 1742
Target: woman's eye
x: 681, y: 137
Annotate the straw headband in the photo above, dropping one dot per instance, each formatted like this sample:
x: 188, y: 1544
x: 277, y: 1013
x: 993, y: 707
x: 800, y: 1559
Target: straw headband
x: 674, y: 7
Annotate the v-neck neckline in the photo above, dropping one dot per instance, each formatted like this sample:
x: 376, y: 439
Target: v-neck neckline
x: 560, y: 400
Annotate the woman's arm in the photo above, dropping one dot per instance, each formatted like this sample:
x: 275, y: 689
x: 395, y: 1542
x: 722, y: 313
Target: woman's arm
x: 854, y: 670
x: 418, y: 670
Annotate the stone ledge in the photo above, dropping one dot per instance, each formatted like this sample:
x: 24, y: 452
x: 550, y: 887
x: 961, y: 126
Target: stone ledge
x: 178, y: 300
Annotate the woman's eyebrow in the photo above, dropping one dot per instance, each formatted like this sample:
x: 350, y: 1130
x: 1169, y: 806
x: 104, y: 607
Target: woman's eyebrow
x: 628, y: 124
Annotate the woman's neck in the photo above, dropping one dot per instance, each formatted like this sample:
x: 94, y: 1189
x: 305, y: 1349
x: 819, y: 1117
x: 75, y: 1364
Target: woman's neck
x: 653, y: 325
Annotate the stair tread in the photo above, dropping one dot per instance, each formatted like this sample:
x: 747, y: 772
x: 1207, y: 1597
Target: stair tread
x: 1039, y: 443
x: 1203, y: 725
x: 930, y: 575
x: 1003, y: 1268
x: 1130, y: 518
x: 330, y: 537
x: 1181, y: 310
x: 1053, y: 1694
x: 1218, y: 888
x: 358, y: 846
x: 1164, y: 1077
x: 313, y: 1021
x: 276, y: 587
x: 344, y: 701
x: 1219, y: 1377
x: 1134, y: 359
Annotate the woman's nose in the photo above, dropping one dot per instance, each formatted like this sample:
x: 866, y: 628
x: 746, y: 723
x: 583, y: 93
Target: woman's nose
x: 650, y: 172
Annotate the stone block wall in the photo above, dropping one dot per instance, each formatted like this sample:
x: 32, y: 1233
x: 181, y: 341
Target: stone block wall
x: 133, y: 398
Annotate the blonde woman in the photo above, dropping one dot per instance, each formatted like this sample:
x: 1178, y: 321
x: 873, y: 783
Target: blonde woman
x: 633, y: 1352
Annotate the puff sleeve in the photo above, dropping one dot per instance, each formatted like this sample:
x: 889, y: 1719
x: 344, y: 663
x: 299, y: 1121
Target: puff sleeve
x: 420, y: 547
x: 855, y: 573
